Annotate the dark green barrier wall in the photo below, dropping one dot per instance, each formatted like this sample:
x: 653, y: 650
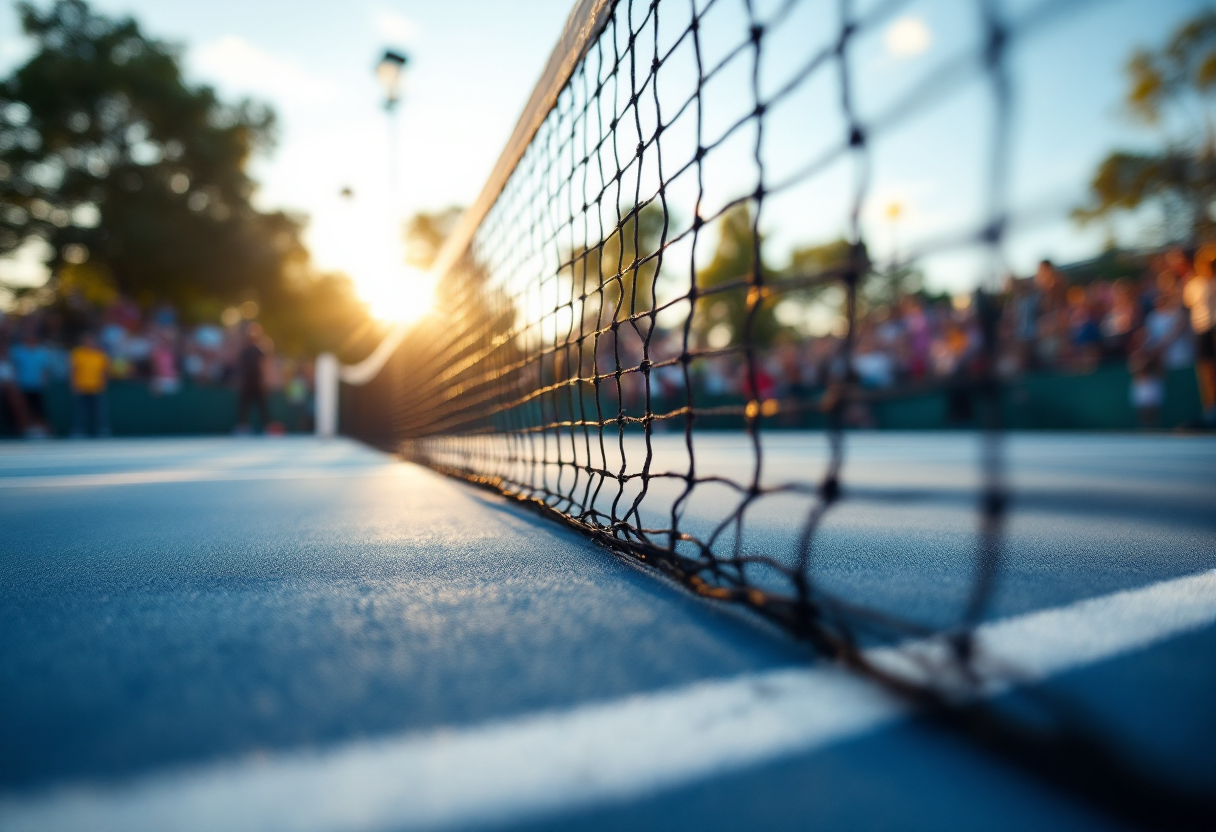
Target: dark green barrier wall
x: 135, y: 411
x: 1099, y: 400
x: 1093, y: 401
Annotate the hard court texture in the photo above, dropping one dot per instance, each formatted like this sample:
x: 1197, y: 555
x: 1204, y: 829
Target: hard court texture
x: 169, y: 605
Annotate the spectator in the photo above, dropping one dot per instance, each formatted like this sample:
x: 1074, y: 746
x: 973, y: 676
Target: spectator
x: 12, y: 405
x: 32, y: 363
x: 1084, y: 333
x: 1165, y: 330
x: 955, y: 354
x: 297, y: 392
x: 88, y: 371
x: 717, y: 378
x: 919, y: 336
x: 1160, y: 346
x: 1177, y: 262
x: 165, y: 381
x: 1119, y: 320
x: 136, y: 352
x: 872, y: 363
x: 1199, y: 295
x: 251, y: 381
x: 194, y: 363
x: 1023, y: 321
x: 165, y: 316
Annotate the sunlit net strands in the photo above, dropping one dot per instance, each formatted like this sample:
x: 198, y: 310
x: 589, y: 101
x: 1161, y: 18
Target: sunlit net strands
x: 589, y: 310
x: 693, y: 205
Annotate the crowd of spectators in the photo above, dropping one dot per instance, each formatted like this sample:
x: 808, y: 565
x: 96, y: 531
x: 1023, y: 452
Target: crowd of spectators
x: 1158, y: 321
x: 1162, y: 320
x: 153, y: 348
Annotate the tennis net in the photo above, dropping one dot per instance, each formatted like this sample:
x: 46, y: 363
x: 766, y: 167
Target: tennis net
x: 696, y: 232
x: 612, y: 288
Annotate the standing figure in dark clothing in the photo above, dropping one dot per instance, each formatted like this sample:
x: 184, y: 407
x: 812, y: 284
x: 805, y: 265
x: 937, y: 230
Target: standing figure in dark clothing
x: 251, y: 381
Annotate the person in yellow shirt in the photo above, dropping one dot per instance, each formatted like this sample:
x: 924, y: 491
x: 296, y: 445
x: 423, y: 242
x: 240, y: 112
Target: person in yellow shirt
x: 89, y: 375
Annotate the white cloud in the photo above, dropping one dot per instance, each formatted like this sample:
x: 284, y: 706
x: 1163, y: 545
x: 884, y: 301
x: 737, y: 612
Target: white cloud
x: 907, y: 37
x: 394, y: 28
x: 240, y: 66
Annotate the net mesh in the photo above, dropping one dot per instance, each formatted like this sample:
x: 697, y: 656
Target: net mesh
x: 641, y: 289
x: 617, y: 293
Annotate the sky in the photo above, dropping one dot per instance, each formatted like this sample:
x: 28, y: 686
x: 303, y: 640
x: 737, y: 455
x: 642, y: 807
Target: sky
x: 473, y: 64
x: 472, y: 68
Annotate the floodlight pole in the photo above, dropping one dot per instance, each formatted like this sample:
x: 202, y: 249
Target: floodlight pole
x: 391, y: 71
x: 328, y: 372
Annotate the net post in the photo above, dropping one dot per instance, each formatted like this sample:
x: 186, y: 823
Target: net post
x: 326, y: 383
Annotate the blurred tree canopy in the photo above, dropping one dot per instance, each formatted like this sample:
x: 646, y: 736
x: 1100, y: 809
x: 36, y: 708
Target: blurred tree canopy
x: 1172, y: 89
x: 132, y: 180
x: 811, y: 260
x: 733, y: 262
x: 426, y: 232
x: 623, y: 266
x: 880, y: 287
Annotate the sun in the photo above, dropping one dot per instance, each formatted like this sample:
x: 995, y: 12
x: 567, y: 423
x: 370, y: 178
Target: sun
x: 907, y: 37
x: 395, y: 295
x: 365, y: 244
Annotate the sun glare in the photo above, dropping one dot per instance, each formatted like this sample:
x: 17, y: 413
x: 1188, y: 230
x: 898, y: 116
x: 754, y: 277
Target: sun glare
x: 400, y: 295
x: 364, y: 242
x: 907, y: 37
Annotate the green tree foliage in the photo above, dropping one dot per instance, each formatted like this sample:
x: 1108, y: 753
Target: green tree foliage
x: 322, y: 314
x: 884, y: 288
x: 878, y: 288
x: 618, y: 276
x: 1172, y: 89
x: 139, y: 180
x: 426, y: 232
x: 733, y: 262
x: 812, y: 260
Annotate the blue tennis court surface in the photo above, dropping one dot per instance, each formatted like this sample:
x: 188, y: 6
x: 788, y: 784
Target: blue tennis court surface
x: 300, y: 634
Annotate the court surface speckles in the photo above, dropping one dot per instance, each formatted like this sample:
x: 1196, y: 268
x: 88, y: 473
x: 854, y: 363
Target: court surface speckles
x: 297, y: 634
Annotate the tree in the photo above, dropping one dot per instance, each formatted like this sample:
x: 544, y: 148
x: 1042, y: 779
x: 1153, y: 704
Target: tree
x: 618, y: 275
x: 426, y: 232
x: 322, y: 313
x: 1173, y: 90
x: 878, y: 289
x: 734, y: 261
x: 811, y: 260
x: 136, y: 181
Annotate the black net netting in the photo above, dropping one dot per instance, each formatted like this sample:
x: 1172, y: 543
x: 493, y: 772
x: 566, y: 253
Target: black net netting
x: 698, y: 239
x: 617, y: 292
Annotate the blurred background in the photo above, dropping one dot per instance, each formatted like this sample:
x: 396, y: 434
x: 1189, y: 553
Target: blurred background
x: 198, y: 198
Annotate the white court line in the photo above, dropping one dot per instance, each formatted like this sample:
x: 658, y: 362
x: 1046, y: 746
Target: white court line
x: 170, y: 475
x: 530, y: 766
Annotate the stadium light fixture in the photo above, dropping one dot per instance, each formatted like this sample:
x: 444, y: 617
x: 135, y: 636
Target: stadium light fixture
x: 391, y: 71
